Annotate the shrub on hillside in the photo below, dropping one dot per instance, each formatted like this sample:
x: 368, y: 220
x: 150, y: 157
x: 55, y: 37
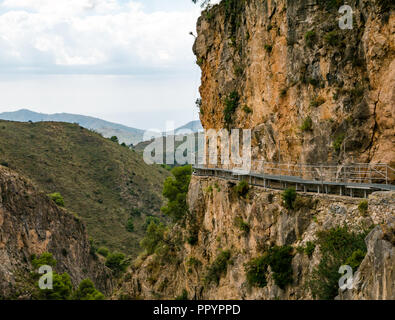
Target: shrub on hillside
x: 87, y: 291
x: 280, y: 261
x: 338, y: 142
x: 183, y: 296
x: 62, y: 288
x: 363, y: 206
x: 242, y: 225
x: 309, y: 249
x: 231, y: 105
x: 289, y: 197
x: 256, y: 272
x: 116, y: 262
x: 332, y: 38
x: 130, y: 225
x: 154, y: 237
x: 148, y: 221
x: 242, y: 189
x: 218, y: 268
x: 103, y: 251
x: 310, y: 38
x: 136, y: 212
x: 307, y: 125
x: 337, y: 246
x: 57, y: 198
x: 46, y: 259
x: 175, y: 189
x: 356, y: 258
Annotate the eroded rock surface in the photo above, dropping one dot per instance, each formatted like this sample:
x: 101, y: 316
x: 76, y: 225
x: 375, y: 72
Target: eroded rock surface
x: 31, y: 224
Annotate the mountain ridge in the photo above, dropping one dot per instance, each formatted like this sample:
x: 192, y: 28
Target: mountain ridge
x: 125, y: 134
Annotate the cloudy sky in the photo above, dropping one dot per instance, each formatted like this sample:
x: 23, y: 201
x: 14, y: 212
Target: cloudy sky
x: 127, y: 61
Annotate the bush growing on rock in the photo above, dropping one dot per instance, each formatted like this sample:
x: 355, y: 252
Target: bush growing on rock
x: 62, y: 288
x: 289, y: 197
x: 363, y: 207
x: 154, y: 237
x: 130, y: 225
x: 116, y: 262
x: 280, y: 261
x: 183, y: 296
x: 242, y: 189
x: 337, y: 246
x: 103, y: 251
x: 242, y: 225
x: 175, y: 189
x: 309, y: 249
x: 148, y: 221
x: 338, y: 142
x: 231, y: 105
x: 46, y: 259
x: 307, y: 125
x: 87, y: 291
x: 310, y: 37
x: 355, y: 260
x: 218, y: 268
x: 256, y: 272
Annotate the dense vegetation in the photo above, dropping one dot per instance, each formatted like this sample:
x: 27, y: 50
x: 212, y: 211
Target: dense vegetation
x: 116, y: 262
x: 175, y: 190
x: 280, y: 261
x: 338, y: 246
x: 91, y: 176
x: 62, y: 286
x: 57, y: 198
x: 242, y: 189
x: 231, y: 105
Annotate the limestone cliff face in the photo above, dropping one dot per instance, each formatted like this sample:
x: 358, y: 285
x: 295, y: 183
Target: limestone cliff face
x: 215, y: 210
x: 30, y: 223
x: 319, y: 94
x: 287, y: 62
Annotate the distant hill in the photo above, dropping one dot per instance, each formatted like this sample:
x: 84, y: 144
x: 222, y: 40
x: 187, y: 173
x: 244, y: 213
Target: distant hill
x: 194, y: 126
x: 100, y: 180
x: 108, y: 129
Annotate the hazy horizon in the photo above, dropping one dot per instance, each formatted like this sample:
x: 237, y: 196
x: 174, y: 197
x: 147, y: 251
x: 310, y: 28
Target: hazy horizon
x: 162, y: 128
x: 128, y: 62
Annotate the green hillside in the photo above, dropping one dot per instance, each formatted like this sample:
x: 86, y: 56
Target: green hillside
x: 108, y: 129
x: 101, y: 181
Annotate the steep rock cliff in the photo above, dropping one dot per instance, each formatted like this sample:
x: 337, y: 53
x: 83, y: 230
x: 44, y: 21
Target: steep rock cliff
x: 274, y: 65
x: 311, y: 93
x: 31, y: 224
x: 215, y: 212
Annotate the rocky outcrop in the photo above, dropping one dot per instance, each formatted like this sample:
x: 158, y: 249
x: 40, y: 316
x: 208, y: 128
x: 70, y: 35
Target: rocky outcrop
x: 288, y: 63
x: 216, y: 209
x: 31, y: 224
x: 311, y: 93
x: 375, y: 278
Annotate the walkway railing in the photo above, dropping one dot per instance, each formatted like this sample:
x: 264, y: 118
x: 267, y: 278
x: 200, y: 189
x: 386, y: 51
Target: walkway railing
x: 345, y: 173
x: 356, y: 180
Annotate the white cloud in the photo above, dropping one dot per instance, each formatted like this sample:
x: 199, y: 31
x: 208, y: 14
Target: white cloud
x: 93, y: 36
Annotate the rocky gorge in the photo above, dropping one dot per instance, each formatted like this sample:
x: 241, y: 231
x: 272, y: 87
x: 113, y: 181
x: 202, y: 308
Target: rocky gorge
x: 311, y: 93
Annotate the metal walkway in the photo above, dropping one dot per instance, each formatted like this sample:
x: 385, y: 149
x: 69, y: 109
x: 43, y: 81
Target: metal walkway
x: 346, y: 187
